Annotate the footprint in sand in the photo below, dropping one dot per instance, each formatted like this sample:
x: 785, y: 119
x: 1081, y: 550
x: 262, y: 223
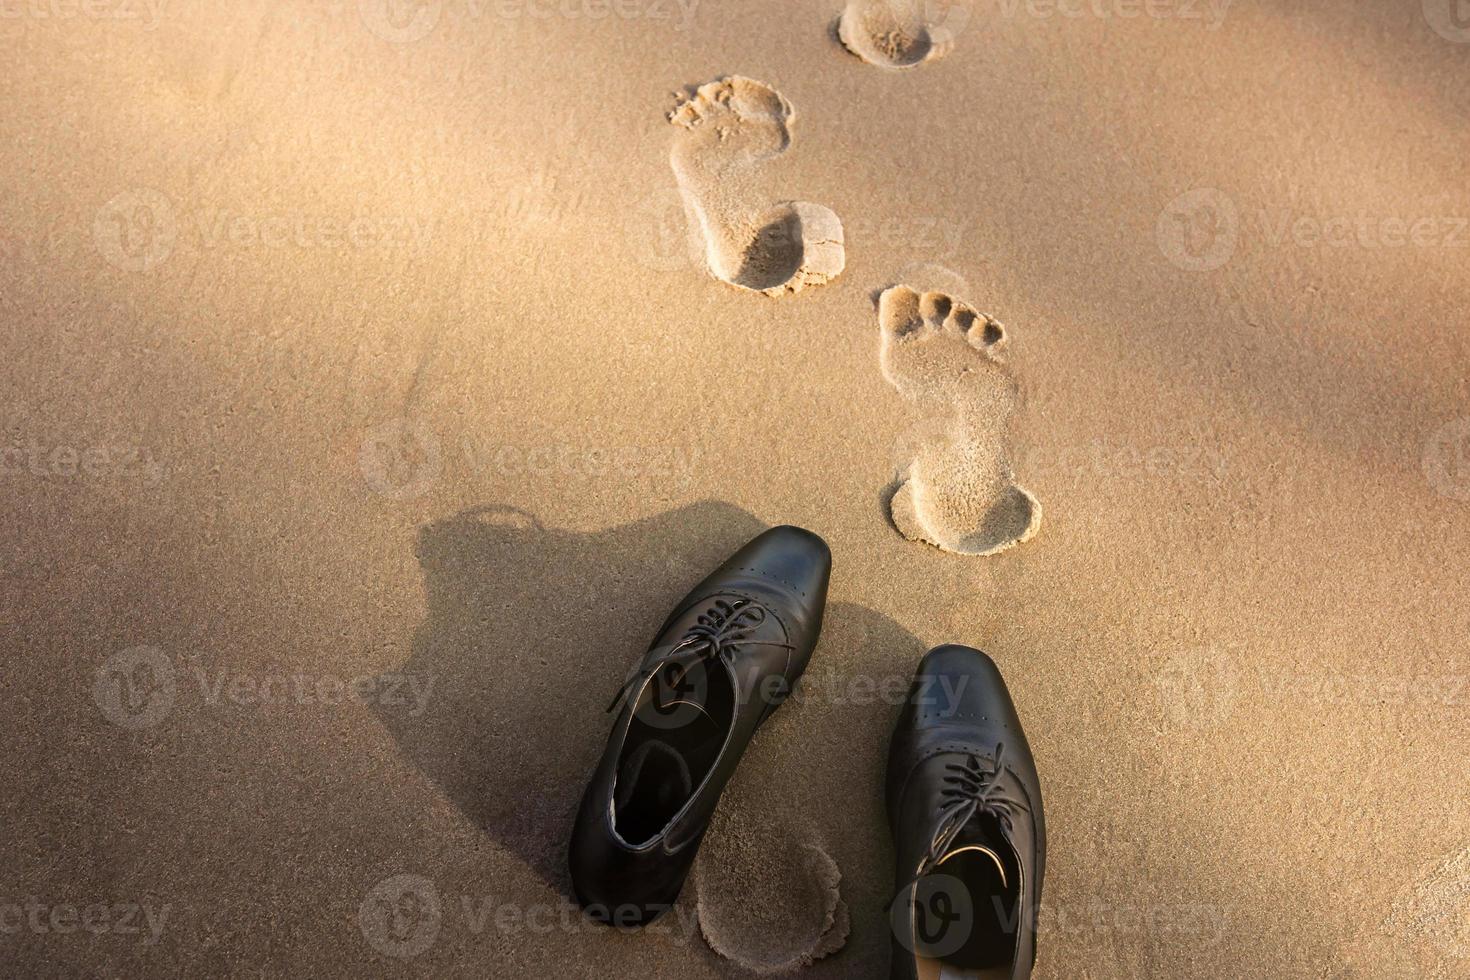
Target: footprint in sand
x: 770, y: 904
x: 957, y: 492
x: 731, y: 127
x: 1437, y: 909
x: 901, y: 33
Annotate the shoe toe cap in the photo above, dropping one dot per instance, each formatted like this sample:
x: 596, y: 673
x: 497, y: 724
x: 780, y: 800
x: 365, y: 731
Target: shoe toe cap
x: 791, y: 556
x: 959, y: 684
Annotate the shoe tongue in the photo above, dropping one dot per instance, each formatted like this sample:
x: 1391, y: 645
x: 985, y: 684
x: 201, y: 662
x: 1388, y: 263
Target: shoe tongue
x: 982, y: 831
x: 655, y: 760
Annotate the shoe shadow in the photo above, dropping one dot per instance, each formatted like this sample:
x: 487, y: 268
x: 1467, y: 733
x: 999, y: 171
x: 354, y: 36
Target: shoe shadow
x: 530, y: 632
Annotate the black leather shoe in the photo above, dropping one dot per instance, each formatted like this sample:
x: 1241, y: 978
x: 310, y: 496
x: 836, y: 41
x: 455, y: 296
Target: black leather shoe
x: 964, y: 804
x: 728, y: 656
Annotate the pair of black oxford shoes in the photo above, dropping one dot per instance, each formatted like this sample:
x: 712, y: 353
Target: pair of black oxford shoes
x: 964, y: 798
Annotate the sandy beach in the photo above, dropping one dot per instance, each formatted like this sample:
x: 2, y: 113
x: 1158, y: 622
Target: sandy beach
x: 377, y: 374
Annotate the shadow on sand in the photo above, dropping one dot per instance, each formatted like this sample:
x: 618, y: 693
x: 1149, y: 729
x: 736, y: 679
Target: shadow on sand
x: 530, y: 632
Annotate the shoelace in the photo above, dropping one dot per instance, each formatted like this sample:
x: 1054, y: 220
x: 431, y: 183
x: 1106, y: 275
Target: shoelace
x: 969, y: 789
x: 717, y: 633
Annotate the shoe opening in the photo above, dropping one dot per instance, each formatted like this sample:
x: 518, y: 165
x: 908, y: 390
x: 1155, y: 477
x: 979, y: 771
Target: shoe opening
x: 966, y: 911
x: 677, y: 732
